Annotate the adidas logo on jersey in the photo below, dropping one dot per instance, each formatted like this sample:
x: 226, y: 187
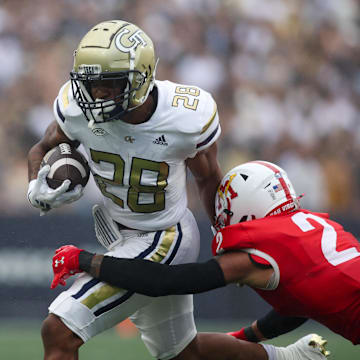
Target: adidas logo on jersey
x: 161, y: 141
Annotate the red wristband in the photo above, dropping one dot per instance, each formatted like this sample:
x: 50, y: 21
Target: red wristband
x: 239, y: 334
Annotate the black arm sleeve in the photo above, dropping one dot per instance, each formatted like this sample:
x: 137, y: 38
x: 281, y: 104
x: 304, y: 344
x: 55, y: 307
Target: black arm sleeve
x: 154, y: 279
x: 273, y: 324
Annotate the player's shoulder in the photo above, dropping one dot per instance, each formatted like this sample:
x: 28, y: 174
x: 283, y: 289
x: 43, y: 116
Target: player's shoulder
x: 190, y: 109
x: 262, y: 228
x: 65, y: 105
x: 189, y: 100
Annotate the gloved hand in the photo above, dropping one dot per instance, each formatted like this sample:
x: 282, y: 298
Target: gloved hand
x: 45, y: 198
x: 65, y: 263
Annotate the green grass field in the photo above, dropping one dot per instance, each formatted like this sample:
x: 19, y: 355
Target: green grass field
x: 22, y: 341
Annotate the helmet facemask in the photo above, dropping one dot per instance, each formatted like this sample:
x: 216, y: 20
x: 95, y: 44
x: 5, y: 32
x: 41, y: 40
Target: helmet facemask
x: 118, y: 56
x: 99, y: 110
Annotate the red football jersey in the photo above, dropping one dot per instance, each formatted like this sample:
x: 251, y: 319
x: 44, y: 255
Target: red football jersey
x: 318, y: 266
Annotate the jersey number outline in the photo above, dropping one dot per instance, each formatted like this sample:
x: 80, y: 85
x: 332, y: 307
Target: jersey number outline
x: 328, y: 239
x: 135, y: 186
x: 184, y: 92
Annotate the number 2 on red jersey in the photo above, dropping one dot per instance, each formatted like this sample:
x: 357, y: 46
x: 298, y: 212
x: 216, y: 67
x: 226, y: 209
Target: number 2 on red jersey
x: 328, y: 239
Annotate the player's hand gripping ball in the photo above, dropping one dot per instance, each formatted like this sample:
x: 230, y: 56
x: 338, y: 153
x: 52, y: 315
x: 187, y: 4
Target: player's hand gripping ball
x: 66, y: 163
x: 61, y: 179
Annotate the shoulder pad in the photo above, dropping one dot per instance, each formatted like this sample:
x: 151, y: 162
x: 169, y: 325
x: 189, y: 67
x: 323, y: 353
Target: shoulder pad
x: 65, y: 106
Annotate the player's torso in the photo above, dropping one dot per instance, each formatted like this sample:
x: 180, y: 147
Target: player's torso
x: 140, y: 169
x: 319, y: 267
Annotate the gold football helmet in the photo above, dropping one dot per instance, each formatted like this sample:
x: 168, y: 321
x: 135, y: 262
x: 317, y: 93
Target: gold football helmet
x: 114, y: 54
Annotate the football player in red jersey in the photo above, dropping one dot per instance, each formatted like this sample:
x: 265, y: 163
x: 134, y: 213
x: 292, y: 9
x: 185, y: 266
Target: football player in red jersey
x: 290, y: 256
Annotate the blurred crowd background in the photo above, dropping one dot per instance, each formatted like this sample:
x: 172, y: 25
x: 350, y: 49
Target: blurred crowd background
x: 285, y: 75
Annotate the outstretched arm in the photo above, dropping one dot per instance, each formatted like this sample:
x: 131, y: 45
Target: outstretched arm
x: 268, y: 327
x: 141, y: 276
x: 154, y: 279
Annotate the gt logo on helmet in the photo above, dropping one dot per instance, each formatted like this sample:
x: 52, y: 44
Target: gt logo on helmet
x: 135, y: 40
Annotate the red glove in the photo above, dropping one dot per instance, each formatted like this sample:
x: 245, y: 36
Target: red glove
x: 65, y: 263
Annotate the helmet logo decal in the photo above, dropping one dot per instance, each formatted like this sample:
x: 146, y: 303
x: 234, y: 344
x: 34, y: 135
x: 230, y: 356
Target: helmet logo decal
x: 135, y: 39
x: 224, y: 189
x: 226, y: 193
x: 284, y: 208
x: 278, y: 187
x: 279, y: 176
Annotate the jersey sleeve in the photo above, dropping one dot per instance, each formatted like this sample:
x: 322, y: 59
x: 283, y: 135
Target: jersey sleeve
x: 233, y: 237
x: 60, y: 108
x: 210, y: 128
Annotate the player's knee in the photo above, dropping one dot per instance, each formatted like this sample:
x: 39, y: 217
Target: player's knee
x: 56, y: 335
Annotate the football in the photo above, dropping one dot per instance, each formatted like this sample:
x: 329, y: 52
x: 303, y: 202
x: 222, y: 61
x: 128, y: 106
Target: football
x: 66, y: 162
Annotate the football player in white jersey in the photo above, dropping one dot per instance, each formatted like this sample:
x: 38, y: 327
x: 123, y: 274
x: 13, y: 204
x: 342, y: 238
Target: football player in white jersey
x: 140, y: 136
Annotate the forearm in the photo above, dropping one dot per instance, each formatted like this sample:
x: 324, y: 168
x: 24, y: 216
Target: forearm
x: 273, y: 324
x: 153, y: 279
x: 35, y: 157
x: 207, y: 191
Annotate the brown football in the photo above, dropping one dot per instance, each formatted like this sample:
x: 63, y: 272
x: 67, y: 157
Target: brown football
x: 66, y: 162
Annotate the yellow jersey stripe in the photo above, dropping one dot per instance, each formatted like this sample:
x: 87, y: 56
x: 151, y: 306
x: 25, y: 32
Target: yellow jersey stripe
x: 104, y: 292
x: 210, y: 121
x: 165, y: 245
x: 65, y: 97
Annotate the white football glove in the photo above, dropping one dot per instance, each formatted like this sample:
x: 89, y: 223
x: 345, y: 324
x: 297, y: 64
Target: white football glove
x: 45, y: 198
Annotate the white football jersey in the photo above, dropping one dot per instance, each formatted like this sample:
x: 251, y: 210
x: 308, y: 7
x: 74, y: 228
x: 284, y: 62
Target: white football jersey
x: 140, y: 169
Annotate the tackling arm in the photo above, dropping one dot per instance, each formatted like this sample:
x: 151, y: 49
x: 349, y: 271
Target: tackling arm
x: 206, y: 170
x: 271, y: 325
x: 153, y: 279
